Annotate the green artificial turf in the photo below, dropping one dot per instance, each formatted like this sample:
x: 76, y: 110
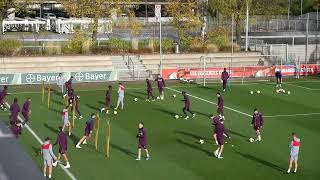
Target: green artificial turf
x: 173, y: 143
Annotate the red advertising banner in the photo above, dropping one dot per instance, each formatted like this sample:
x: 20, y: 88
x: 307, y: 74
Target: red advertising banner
x: 254, y: 71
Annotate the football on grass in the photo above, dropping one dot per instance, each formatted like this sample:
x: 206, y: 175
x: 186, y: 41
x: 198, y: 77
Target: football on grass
x: 174, y: 95
x: 115, y: 112
x: 201, y: 141
x: 251, y: 140
x: 135, y: 99
x: 251, y: 92
x: 176, y: 116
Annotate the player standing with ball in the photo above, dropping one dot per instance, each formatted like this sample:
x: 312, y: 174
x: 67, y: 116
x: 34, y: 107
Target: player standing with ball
x: 257, y: 123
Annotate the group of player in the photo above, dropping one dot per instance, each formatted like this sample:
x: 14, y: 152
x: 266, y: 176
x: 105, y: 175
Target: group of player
x: 72, y: 101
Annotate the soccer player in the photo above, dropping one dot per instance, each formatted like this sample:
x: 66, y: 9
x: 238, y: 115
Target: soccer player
x: 48, y: 157
x: 142, y: 142
x: 26, y: 109
x: 68, y: 84
x: 161, y: 85
x: 63, y: 146
x: 224, y: 79
x: 87, y: 131
x: 219, y: 132
x: 60, y: 82
x: 66, y: 122
x: 14, y: 110
x: 186, y: 107
x: 297, y: 68
x: 220, y: 105
x: 278, y: 75
x: 149, y: 90
x: 76, y: 100
x: 120, y: 96
x: 3, y: 95
x: 108, y: 100
x: 257, y: 123
x: 294, y: 152
x: 215, y: 119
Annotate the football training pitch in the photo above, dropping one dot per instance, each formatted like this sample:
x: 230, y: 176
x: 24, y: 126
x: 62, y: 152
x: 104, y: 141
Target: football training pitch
x: 174, y: 143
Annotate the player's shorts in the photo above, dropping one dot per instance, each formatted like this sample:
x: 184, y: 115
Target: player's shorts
x: 257, y: 128
x: 62, y: 151
x: 66, y: 122
x: 86, y: 132
x: 294, y: 156
x: 47, y: 162
x: 142, y: 145
x: 220, y: 140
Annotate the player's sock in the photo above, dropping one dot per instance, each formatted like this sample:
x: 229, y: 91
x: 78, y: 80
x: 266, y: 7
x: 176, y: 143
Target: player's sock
x: 69, y: 133
x: 78, y: 145
x: 295, y: 170
x: 219, y: 156
x: 148, y: 157
x: 49, y: 176
x: 288, y: 170
x: 217, y: 143
x: 44, y: 175
x: 216, y: 152
x: 138, y: 158
x: 259, y: 138
x: 107, y: 112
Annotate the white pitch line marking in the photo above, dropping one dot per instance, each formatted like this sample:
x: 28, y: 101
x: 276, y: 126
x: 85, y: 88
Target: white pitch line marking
x: 41, y: 142
x: 240, y: 112
x: 292, y: 115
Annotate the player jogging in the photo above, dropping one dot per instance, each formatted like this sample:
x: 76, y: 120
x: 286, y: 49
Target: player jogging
x: 142, y: 142
x: 65, y: 118
x: 224, y: 79
x: 108, y: 100
x: 161, y: 85
x: 186, y: 107
x: 120, y: 96
x: 3, y: 95
x: 48, y: 157
x: 63, y: 146
x: 149, y: 90
x: 14, y: 110
x: 294, y: 152
x: 278, y: 75
x: 87, y: 131
x: 26, y: 109
x: 257, y: 123
x: 60, y: 82
x: 220, y: 105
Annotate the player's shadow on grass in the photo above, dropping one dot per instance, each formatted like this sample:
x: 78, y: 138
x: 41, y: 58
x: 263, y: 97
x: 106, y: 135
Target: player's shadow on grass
x: 262, y: 161
x: 165, y: 111
x: 92, y: 107
x: 56, y: 131
x: 103, y: 104
x: 36, y: 151
x: 55, y: 110
x: 57, y: 102
x: 129, y: 153
x: 238, y: 134
x: 215, y: 88
x: 194, y: 146
x: 196, y: 137
x: 133, y: 95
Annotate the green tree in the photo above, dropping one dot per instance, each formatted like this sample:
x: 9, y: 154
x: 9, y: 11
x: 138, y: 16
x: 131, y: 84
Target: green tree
x: 95, y: 9
x: 184, y: 16
x: 237, y: 8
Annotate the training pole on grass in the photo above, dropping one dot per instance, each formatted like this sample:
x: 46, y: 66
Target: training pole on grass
x: 108, y: 139
x: 73, y: 112
x: 66, y: 100
x: 97, y: 126
x: 49, y: 95
x: 42, y: 91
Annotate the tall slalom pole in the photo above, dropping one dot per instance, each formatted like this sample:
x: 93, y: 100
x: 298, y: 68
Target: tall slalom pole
x: 247, y: 26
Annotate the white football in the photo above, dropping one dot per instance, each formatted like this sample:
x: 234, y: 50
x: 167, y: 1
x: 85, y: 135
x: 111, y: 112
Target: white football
x: 201, y: 141
x: 251, y: 139
x: 176, y: 116
x: 251, y: 92
x: 258, y: 92
x: 174, y: 95
x: 289, y: 92
x: 115, y: 112
x: 135, y: 99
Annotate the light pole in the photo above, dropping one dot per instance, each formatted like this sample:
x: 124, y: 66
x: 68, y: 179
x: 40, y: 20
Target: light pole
x: 301, y: 4
x: 247, y: 26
